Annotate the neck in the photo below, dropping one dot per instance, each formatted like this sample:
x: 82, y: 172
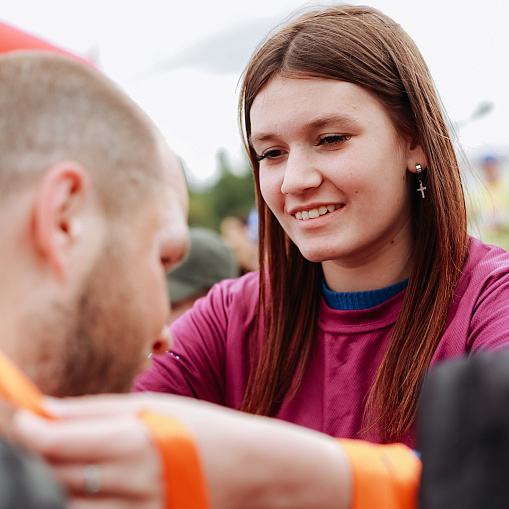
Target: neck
x: 11, y: 343
x: 367, y: 272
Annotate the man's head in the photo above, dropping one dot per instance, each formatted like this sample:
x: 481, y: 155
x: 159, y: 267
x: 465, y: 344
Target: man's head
x: 93, y: 210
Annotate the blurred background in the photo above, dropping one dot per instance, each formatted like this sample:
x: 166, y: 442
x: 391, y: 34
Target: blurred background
x: 181, y: 61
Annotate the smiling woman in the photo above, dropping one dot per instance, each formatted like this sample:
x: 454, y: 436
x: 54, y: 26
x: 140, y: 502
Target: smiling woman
x: 386, y: 255
x: 366, y: 280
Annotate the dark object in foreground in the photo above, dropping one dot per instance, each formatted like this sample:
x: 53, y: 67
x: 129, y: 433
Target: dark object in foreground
x: 25, y: 482
x: 463, y: 434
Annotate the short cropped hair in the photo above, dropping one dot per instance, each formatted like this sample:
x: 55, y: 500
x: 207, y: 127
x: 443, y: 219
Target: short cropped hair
x: 54, y: 108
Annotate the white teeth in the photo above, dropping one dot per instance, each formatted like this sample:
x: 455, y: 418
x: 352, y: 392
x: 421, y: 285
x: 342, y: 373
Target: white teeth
x: 314, y: 213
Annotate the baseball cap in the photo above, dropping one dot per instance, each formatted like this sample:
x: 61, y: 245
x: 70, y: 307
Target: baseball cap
x: 209, y: 261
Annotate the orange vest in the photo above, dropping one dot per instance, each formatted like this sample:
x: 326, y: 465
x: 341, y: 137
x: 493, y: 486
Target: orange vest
x: 184, y: 482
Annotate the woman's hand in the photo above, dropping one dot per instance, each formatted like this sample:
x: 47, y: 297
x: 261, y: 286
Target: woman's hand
x: 249, y: 461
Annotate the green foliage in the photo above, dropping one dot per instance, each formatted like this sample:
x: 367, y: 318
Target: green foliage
x: 231, y: 195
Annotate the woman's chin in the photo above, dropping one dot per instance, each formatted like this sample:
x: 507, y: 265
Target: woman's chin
x: 317, y: 255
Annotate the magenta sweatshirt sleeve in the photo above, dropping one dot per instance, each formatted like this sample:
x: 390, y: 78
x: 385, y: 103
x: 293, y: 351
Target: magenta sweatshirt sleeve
x: 211, y: 355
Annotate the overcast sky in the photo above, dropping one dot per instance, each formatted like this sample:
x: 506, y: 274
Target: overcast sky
x: 181, y: 61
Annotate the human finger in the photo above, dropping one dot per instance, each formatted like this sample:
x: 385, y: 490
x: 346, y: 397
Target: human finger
x: 112, y: 503
x: 87, y: 440
x: 95, y: 405
x: 7, y: 412
x: 138, y: 478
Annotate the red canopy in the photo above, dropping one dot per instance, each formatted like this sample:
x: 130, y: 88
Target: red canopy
x: 12, y: 39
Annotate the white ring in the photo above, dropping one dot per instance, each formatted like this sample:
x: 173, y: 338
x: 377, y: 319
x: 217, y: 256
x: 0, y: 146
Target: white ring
x: 92, y: 479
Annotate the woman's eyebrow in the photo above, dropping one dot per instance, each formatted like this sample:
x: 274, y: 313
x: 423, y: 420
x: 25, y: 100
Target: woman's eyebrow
x: 259, y: 137
x: 345, y: 121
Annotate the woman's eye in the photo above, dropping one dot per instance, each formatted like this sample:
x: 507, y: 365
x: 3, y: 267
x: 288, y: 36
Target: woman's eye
x: 332, y: 139
x: 269, y: 154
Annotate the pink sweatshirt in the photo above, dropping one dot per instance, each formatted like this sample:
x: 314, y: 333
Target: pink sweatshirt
x: 211, y: 356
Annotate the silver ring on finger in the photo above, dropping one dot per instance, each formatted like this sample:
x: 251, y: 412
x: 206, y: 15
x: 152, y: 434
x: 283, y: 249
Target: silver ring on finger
x: 92, y: 480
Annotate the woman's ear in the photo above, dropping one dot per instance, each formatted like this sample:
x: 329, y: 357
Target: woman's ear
x: 416, y: 156
x: 58, y: 214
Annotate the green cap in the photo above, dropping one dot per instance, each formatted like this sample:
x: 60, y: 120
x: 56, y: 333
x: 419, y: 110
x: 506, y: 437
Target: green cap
x: 209, y: 261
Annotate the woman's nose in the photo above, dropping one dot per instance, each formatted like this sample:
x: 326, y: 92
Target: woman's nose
x: 300, y: 174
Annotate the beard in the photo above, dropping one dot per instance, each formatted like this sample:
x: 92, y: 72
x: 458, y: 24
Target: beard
x: 94, y: 345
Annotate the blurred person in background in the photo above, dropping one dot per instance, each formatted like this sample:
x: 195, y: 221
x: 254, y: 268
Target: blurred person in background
x: 208, y: 262
x: 489, y: 204
x: 239, y: 237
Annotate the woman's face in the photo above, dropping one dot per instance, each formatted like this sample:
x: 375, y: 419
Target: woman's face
x: 333, y: 170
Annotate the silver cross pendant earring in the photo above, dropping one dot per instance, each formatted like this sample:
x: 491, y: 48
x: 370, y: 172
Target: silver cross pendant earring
x: 421, y: 189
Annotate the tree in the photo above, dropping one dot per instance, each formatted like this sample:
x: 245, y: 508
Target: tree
x: 231, y: 195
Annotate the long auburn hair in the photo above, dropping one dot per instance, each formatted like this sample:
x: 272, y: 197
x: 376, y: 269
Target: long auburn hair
x: 363, y: 46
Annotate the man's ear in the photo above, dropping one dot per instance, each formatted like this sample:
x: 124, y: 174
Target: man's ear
x: 61, y: 204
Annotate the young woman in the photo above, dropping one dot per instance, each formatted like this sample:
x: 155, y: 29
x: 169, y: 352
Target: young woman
x: 367, y: 275
x: 367, y: 278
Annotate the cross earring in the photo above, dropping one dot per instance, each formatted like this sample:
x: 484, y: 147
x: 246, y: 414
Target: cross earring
x: 421, y: 189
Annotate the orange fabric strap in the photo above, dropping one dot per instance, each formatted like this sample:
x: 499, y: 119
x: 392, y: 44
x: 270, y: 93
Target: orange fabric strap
x: 384, y: 476
x: 16, y: 388
x: 184, y: 481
